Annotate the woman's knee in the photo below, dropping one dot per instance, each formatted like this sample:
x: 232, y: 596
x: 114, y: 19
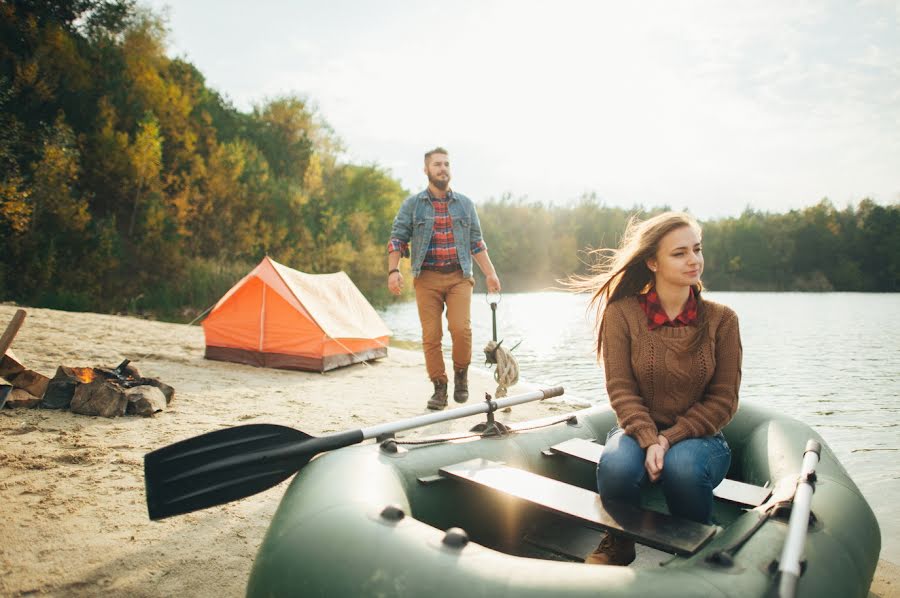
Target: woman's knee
x: 697, y: 461
x: 621, y: 467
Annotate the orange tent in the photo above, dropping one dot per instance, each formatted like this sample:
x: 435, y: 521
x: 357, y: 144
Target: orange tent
x: 282, y: 318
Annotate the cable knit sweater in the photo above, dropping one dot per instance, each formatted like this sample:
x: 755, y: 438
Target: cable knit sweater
x: 656, y: 387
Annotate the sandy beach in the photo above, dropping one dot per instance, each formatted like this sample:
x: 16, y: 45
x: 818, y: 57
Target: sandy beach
x: 74, y: 520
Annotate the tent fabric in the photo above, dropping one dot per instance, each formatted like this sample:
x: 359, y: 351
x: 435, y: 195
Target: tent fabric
x: 279, y: 317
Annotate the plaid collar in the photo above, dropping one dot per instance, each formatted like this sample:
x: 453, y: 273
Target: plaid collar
x: 656, y: 315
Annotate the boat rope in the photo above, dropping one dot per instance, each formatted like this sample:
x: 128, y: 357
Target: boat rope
x: 507, y: 372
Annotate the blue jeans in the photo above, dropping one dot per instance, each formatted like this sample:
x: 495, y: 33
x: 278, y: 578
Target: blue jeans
x: 692, y: 468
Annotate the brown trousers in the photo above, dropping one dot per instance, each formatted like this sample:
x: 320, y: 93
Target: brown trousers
x: 433, y: 291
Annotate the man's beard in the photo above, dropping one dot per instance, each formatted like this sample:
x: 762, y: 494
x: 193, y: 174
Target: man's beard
x: 441, y: 184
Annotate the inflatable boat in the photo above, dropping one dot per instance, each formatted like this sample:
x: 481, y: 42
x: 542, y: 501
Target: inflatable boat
x: 514, y: 511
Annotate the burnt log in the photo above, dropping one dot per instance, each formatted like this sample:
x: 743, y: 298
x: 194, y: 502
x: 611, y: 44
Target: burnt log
x: 145, y: 400
x: 61, y: 388
x: 12, y: 370
x: 22, y: 399
x: 31, y: 381
x: 128, y: 376
x: 10, y: 366
x: 99, y: 397
x: 168, y: 391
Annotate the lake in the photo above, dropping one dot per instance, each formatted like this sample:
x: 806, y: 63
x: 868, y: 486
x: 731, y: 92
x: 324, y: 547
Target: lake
x: 831, y: 360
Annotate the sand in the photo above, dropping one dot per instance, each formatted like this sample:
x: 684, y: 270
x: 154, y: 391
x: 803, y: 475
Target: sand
x: 73, y: 519
x: 73, y: 516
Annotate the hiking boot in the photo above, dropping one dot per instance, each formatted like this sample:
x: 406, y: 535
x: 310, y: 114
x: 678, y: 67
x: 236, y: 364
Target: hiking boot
x: 461, y: 385
x: 613, y: 550
x: 439, y: 399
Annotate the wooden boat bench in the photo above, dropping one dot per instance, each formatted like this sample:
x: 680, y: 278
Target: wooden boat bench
x: 729, y: 490
x: 657, y: 530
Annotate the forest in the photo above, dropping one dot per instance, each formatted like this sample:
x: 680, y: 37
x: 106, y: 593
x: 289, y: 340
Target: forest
x: 819, y: 248
x: 127, y: 184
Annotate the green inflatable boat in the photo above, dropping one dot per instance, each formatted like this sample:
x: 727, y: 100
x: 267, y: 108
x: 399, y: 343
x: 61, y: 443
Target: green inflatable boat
x: 514, y: 512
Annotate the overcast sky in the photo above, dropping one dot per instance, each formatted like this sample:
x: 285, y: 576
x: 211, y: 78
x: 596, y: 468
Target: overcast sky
x: 709, y: 106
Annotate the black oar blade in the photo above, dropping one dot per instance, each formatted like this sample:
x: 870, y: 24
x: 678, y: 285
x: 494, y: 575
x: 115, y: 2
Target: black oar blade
x: 220, y: 467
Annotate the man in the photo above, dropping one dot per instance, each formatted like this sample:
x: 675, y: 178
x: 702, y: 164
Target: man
x: 445, y: 236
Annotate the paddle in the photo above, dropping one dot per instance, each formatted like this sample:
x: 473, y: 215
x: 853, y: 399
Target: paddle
x: 225, y: 465
x: 789, y: 565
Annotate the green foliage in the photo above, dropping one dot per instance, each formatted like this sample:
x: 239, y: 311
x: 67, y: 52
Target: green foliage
x: 127, y: 184
x: 201, y: 283
x: 815, y: 249
x: 534, y: 245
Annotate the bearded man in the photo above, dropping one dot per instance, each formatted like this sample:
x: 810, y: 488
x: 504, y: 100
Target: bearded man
x: 438, y: 229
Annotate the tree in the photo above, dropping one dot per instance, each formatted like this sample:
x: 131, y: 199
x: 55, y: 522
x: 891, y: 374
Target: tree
x: 145, y: 156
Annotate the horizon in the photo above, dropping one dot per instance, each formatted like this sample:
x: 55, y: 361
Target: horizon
x: 711, y: 109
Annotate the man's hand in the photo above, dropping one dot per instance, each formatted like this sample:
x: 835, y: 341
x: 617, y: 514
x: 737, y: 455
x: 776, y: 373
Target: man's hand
x: 493, y: 283
x: 656, y: 455
x: 395, y: 283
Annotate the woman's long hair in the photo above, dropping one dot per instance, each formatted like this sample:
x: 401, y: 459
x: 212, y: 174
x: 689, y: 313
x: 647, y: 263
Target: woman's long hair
x: 622, y: 272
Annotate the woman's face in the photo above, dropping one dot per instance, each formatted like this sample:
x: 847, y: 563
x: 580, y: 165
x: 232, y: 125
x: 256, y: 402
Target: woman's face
x: 679, y: 260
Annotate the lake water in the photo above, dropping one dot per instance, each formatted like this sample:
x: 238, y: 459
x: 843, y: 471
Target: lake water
x: 831, y: 360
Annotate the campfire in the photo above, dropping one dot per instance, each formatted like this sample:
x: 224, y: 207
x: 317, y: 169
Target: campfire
x: 90, y: 391
x: 106, y: 392
x: 84, y: 375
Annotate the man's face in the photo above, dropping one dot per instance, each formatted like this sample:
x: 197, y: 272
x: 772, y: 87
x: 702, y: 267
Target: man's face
x: 438, y: 171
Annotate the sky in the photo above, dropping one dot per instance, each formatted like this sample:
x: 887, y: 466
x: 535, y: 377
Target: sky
x: 711, y: 106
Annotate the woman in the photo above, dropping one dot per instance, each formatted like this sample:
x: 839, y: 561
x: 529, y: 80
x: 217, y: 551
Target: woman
x: 673, y: 370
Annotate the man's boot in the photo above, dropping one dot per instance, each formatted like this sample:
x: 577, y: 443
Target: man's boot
x: 461, y: 385
x: 439, y: 399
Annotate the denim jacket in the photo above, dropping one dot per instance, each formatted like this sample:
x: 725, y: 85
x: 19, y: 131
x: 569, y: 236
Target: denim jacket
x: 415, y: 221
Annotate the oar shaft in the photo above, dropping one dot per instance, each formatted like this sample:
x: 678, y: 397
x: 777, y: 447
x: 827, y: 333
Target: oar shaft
x: 460, y: 412
x: 789, y: 563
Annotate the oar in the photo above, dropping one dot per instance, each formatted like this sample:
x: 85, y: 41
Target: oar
x: 789, y: 568
x: 225, y: 465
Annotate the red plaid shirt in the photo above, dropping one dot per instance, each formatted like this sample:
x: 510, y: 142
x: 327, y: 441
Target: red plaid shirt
x: 442, y: 249
x: 656, y: 315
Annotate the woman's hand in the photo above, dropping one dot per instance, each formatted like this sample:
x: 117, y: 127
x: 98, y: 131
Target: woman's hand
x: 656, y: 455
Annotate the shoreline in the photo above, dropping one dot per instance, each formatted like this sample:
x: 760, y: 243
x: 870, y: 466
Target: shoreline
x: 74, y: 516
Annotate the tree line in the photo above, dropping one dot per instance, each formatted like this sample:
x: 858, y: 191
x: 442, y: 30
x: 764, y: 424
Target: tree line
x: 128, y: 184
x: 818, y: 248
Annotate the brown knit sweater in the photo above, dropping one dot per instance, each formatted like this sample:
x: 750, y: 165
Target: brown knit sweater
x: 656, y: 387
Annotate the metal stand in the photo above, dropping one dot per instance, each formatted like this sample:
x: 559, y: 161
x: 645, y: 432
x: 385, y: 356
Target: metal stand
x: 491, y: 427
x: 494, y: 318
x: 490, y: 357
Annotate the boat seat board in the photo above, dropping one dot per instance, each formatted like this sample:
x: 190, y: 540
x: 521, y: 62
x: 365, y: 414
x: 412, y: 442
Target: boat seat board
x: 658, y: 530
x: 566, y: 539
x: 729, y: 490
